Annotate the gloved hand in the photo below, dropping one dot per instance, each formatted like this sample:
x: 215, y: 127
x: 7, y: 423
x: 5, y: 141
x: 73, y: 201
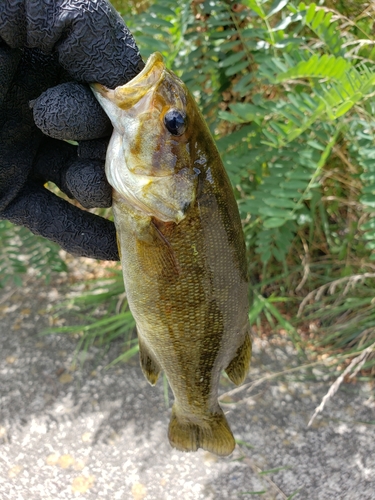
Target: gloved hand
x: 49, y: 51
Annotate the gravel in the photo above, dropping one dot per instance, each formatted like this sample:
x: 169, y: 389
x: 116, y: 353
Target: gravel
x: 96, y: 433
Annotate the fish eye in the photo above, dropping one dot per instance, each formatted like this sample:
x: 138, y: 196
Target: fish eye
x: 175, y: 121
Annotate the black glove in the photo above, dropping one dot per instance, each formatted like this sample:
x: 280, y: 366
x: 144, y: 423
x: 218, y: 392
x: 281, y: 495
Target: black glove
x: 49, y: 49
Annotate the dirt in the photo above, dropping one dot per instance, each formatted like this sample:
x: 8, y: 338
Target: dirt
x: 70, y: 431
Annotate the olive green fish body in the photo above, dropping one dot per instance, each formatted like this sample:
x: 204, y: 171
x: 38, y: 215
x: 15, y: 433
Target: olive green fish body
x: 183, y: 258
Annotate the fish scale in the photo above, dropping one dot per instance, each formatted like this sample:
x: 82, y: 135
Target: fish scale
x: 182, y: 251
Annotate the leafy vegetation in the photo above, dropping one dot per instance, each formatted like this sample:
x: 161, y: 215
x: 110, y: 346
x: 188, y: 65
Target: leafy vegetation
x: 288, y: 91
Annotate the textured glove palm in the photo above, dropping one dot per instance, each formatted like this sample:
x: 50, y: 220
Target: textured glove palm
x: 48, y: 50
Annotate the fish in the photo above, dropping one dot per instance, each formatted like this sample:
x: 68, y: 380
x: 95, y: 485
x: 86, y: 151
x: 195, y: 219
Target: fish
x: 182, y: 250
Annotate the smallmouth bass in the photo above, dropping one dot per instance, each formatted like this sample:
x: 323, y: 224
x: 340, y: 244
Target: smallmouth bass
x: 182, y: 250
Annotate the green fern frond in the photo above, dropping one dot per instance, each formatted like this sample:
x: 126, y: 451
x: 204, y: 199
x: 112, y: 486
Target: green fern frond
x: 275, y: 242
x: 319, y: 21
x: 325, y: 66
x: 328, y: 101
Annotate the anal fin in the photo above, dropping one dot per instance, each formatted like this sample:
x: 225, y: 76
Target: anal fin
x: 150, y: 367
x: 239, y: 366
x: 212, y: 433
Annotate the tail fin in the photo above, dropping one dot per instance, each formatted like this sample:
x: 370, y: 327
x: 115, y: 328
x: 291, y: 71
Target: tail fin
x: 212, y: 434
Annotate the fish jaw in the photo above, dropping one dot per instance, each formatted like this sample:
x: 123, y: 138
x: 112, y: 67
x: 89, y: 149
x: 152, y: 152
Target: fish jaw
x: 127, y: 96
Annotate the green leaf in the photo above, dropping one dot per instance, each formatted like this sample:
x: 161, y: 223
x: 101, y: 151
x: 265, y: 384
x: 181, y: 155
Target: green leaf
x: 287, y: 41
x: 284, y: 23
x: 226, y: 46
x: 293, y: 184
x: 276, y: 7
x: 275, y: 212
x: 232, y: 59
x: 162, y: 10
x: 149, y: 41
x: 253, y: 4
x: 150, y: 30
x: 243, y: 83
x: 370, y: 224
x: 317, y: 20
x: 281, y: 203
x: 316, y: 145
x: 251, y: 206
x: 368, y: 200
x: 236, y: 68
x: 325, y: 66
x: 285, y: 193
x: 343, y: 108
x: 273, y: 222
x: 246, y: 111
x: 229, y: 117
x: 310, y: 13
x: 369, y: 235
x: 255, y: 310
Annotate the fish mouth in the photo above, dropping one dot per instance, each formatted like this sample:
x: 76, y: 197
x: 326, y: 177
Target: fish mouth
x: 148, y: 72
x: 126, y: 96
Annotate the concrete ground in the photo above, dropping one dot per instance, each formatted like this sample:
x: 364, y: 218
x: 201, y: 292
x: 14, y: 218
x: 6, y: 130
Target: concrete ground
x: 97, y: 433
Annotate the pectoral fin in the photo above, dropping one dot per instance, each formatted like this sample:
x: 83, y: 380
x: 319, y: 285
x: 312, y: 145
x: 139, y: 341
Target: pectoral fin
x: 239, y: 366
x: 150, y: 367
x: 157, y: 256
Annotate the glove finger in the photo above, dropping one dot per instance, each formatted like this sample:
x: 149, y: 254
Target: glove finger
x: 51, y: 163
x: 80, y: 178
x: 76, y: 231
x: 87, y: 182
x: 70, y: 111
x: 89, y: 36
x: 93, y: 150
x: 111, y: 59
x: 9, y: 59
